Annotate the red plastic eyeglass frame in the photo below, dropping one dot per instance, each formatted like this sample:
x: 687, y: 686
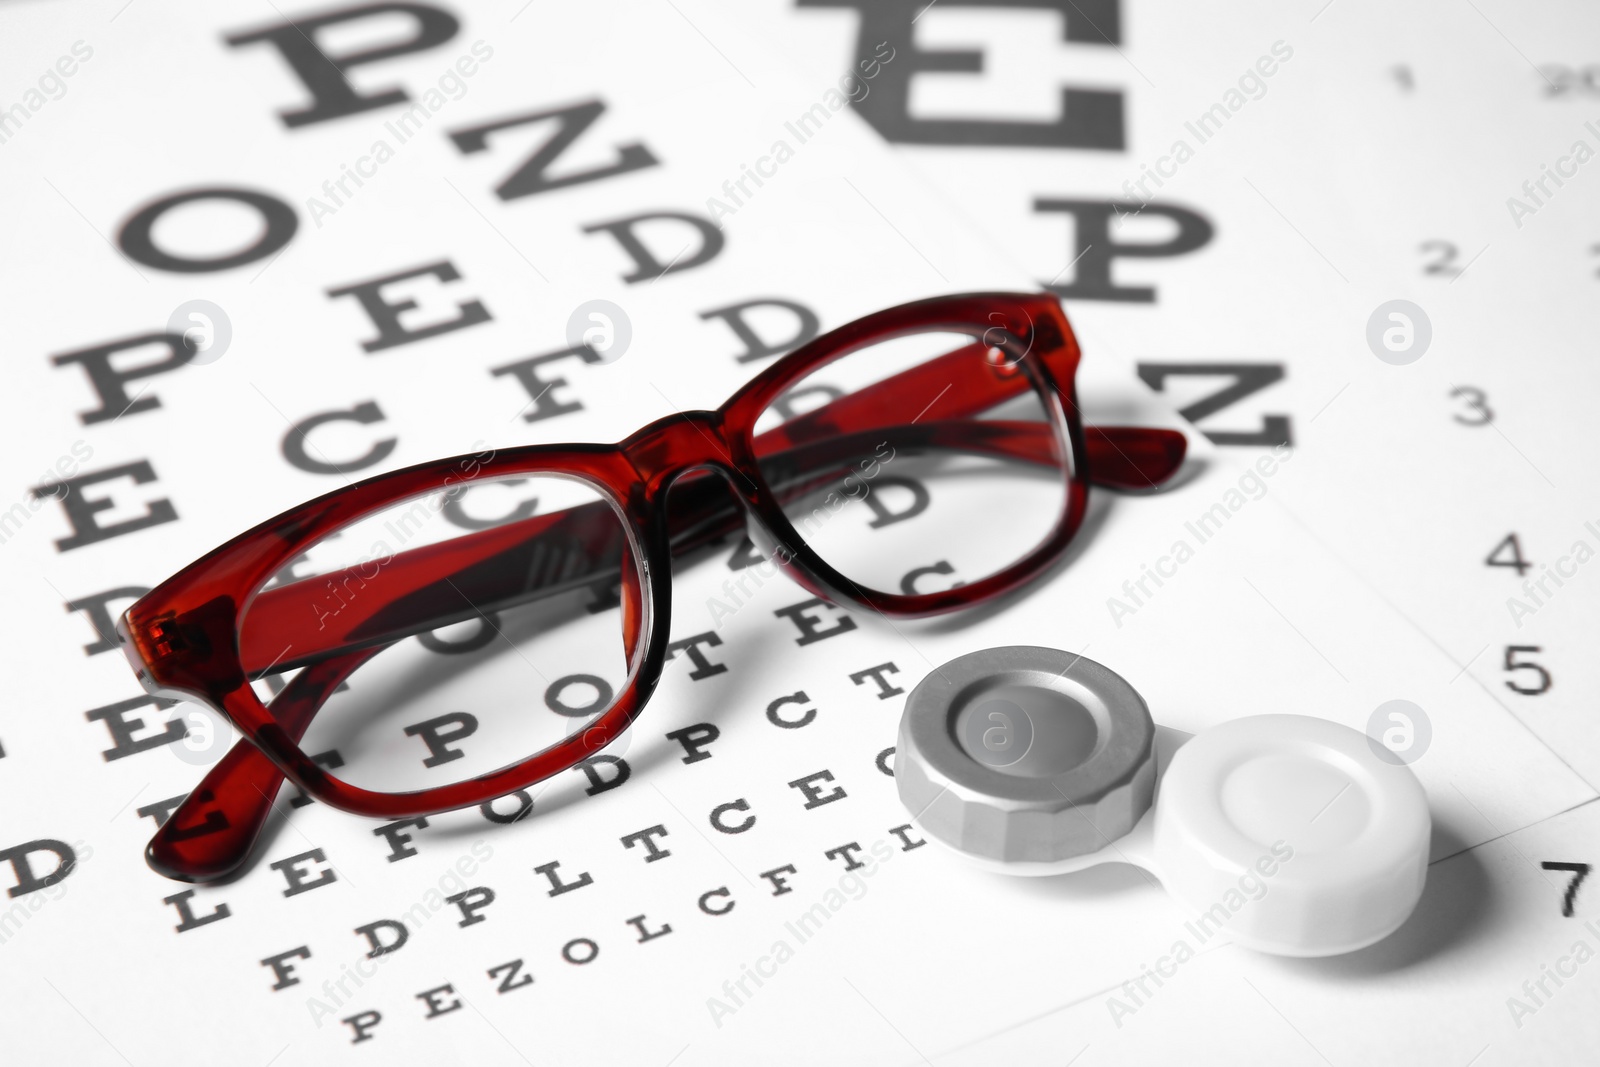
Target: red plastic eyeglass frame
x: 183, y: 638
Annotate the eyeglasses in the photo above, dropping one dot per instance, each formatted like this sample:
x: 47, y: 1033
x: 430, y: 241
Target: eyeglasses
x: 922, y: 459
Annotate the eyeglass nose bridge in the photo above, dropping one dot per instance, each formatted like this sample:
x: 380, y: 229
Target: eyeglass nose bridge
x: 689, y: 459
x: 676, y: 444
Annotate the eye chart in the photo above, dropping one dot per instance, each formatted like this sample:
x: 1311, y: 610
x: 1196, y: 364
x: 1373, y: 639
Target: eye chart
x: 394, y: 226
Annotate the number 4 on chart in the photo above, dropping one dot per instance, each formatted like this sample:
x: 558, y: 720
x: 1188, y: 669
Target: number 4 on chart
x: 1512, y: 548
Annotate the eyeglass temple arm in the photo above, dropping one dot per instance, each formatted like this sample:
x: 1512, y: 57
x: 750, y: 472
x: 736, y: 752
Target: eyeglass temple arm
x: 962, y: 384
x: 435, y: 585
x: 214, y: 829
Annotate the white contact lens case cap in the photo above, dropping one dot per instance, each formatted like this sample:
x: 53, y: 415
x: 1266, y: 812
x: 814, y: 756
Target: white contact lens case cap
x: 1294, y: 829
x: 1290, y: 834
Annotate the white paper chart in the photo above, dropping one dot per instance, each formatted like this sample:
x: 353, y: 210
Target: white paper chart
x: 393, y: 221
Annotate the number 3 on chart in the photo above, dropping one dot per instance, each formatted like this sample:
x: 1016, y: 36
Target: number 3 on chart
x: 1478, y: 412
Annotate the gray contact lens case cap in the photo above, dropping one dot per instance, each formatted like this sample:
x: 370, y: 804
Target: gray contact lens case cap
x: 1026, y: 754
